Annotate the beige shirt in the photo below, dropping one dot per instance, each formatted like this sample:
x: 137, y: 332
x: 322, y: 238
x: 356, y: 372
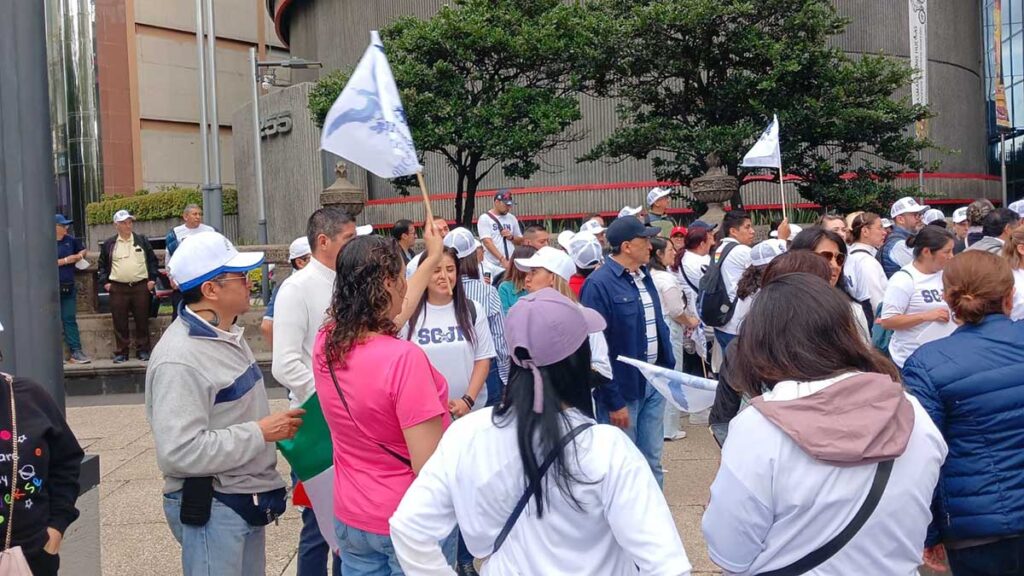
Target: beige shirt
x: 127, y: 264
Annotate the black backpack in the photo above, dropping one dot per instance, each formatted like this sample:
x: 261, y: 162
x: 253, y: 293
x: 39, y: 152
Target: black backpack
x: 713, y: 304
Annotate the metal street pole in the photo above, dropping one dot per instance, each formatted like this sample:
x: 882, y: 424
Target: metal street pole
x: 29, y: 308
x: 1002, y: 163
x: 215, y: 213
x: 203, y: 122
x: 261, y: 201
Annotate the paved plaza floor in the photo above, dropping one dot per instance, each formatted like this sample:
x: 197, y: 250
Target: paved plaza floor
x: 136, y: 540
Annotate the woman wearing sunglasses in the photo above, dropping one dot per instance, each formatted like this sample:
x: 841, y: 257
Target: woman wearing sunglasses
x: 913, y: 307
x: 832, y: 247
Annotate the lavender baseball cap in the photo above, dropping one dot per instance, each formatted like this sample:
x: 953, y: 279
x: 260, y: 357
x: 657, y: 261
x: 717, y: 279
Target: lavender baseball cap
x: 550, y: 327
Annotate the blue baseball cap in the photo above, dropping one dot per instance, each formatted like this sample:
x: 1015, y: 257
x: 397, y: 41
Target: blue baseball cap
x: 62, y: 220
x: 702, y: 224
x: 505, y: 195
x: 626, y: 229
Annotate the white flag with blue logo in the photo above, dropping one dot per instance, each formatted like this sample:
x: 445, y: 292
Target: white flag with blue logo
x: 765, y: 153
x: 687, y: 392
x: 367, y: 124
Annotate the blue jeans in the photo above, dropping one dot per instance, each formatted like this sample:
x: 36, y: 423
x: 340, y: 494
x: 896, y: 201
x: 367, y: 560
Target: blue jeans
x: 313, y: 549
x: 495, y: 388
x: 646, y: 427
x: 227, y: 545
x: 724, y: 338
x: 1002, y: 557
x: 67, y: 317
x: 367, y: 554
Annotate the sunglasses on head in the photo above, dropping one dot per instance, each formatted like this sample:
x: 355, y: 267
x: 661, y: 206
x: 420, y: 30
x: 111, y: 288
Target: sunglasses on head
x: 838, y: 257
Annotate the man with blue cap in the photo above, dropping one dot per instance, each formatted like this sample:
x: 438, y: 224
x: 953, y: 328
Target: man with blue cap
x: 70, y: 251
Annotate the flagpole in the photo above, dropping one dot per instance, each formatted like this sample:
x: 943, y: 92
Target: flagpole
x: 782, y: 188
x: 430, y: 214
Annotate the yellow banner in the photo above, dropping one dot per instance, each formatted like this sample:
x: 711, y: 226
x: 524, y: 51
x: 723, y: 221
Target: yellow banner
x: 1002, y: 114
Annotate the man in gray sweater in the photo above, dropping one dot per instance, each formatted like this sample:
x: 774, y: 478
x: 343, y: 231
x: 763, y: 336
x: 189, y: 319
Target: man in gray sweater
x: 997, y: 228
x: 211, y: 421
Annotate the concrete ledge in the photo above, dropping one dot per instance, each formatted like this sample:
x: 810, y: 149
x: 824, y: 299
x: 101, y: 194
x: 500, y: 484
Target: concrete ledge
x: 105, y: 377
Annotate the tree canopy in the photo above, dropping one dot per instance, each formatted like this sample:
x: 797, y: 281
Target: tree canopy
x: 695, y: 77
x: 486, y: 84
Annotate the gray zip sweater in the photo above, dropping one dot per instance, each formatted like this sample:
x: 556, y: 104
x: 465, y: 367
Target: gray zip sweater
x: 204, y: 395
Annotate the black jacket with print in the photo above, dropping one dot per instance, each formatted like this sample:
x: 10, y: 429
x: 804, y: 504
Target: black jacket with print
x: 49, y: 460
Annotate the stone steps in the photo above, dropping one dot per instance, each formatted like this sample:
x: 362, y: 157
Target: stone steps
x: 104, y: 377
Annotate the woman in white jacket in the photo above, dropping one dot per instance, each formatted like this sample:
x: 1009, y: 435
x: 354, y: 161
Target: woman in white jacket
x: 827, y: 414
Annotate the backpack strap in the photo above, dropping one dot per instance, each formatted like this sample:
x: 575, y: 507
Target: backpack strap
x: 503, y: 239
x: 830, y: 548
x: 532, y: 488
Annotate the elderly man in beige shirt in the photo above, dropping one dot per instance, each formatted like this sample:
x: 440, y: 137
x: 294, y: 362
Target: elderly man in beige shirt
x: 127, y: 270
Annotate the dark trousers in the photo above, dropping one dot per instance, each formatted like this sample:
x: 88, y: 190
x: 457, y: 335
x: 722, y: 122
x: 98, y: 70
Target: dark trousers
x: 995, y: 559
x: 313, y: 549
x: 41, y: 563
x: 495, y: 388
x: 134, y: 299
x: 68, y: 308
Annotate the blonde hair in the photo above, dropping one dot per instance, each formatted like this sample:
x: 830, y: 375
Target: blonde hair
x: 1010, y: 251
x: 563, y: 288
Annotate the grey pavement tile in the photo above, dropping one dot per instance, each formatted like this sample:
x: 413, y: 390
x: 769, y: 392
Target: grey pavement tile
x: 688, y: 483
x: 141, y: 466
x: 688, y: 524
x: 139, y: 550
x: 114, y: 458
x: 108, y: 487
x: 136, y: 502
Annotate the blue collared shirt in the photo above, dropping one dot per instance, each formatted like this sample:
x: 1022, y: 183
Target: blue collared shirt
x: 611, y: 292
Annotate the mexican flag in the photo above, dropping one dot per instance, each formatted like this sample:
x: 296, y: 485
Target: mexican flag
x: 311, y: 456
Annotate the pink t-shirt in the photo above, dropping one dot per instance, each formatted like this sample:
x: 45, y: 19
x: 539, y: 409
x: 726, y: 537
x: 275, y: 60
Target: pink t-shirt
x: 389, y: 385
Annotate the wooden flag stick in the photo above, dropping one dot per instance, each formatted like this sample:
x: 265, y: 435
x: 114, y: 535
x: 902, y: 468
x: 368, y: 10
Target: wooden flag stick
x: 430, y: 215
x: 782, y: 188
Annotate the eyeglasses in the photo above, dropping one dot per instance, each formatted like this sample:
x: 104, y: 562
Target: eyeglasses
x: 838, y: 257
x: 223, y: 279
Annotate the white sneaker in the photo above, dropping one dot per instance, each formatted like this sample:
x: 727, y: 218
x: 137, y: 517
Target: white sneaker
x: 677, y: 436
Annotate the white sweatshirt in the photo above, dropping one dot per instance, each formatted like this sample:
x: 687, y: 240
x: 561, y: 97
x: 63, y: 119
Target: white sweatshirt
x: 476, y: 477
x: 299, y: 313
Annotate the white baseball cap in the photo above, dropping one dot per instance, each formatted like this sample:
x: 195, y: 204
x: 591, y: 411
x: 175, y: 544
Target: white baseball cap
x: 886, y: 223
x: 299, y: 248
x: 364, y: 230
x: 1017, y: 207
x: 960, y: 215
x: 933, y: 215
x: 764, y: 252
x: 205, y: 256
x: 593, y: 227
x: 550, y: 259
x: 657, y: 194
x: 628, y: 211
x: 585, y: 250
x: 793, y: 231
x: 906, y: 205
x: 565, y: 238
x: 462, y: 240
x: 122, y: 215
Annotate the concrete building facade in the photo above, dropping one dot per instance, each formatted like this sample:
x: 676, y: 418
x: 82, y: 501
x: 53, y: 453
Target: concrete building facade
x: 336, y: 32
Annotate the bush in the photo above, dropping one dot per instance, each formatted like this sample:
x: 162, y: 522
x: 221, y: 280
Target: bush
x: 164, y: 203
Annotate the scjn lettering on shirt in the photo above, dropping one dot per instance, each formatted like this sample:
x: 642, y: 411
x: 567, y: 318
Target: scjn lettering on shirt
x: 447, y: 335
x: 930, y: 296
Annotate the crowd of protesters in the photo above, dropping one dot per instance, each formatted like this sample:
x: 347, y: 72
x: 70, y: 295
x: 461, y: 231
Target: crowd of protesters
x: 479, y: 412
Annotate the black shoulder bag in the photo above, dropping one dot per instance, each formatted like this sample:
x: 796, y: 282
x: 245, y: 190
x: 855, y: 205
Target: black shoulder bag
x: 341, y: 395
x: 830, y: 548
x: 531, y: 489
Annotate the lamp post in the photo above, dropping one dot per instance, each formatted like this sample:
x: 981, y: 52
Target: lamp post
x: 261, y: 203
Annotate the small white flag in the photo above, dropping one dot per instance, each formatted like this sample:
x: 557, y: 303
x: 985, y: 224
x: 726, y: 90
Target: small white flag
x: 765, y: 153
x: 367, y: 125
x: 687, y: 392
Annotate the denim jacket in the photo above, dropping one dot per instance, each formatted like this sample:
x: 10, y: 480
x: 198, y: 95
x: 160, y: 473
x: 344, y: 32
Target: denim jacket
x: 890, y: 266
x: 611, y: 292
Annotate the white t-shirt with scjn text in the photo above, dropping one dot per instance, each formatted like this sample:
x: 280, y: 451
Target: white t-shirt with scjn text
x: 911, y: 291
x: 437, y: 332
x: 486, y: 227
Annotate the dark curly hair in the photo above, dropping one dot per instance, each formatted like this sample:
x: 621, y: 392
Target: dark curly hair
x: 361, y: 301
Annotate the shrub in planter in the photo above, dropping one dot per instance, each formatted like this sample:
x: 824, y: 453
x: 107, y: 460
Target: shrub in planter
x: 158, y: 205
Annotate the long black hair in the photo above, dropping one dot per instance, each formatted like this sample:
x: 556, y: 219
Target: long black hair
x: 931, y: 237
x: 463, y: 316
x: 658, y: 247
x: 809, y: 239
x: 539, y: 434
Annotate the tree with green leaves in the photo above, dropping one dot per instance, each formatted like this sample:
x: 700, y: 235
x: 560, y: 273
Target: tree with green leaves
x: 486, y: 84
x: 701, y: 77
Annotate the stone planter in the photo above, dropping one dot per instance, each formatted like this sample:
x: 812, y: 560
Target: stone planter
x: 713, y: 188
x: 344, y: 193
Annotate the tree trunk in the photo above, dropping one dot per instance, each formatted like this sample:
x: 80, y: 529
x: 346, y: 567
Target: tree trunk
x: 472, y: 182
x: 460, y: 190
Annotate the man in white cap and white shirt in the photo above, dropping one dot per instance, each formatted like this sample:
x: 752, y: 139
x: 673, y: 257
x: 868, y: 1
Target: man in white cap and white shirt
x: 499, y: 231
x: 208, y: 409
x: 960, y: 226
x: 299, y: 255
x: 906, y: 214
x: 300, y: 308
x: 127, y: 270
x: 657, y: 211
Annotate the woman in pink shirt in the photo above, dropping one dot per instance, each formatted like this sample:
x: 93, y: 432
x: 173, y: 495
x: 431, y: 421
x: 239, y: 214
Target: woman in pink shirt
x: 385, y: 404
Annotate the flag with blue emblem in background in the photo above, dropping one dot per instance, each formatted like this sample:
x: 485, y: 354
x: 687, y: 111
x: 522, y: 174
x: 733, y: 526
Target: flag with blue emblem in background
x: 688, y: 393
x: 366, y: 124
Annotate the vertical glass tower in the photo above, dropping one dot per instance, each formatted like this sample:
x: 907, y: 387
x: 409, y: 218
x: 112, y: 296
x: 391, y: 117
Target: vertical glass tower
x: 1011, y: 51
